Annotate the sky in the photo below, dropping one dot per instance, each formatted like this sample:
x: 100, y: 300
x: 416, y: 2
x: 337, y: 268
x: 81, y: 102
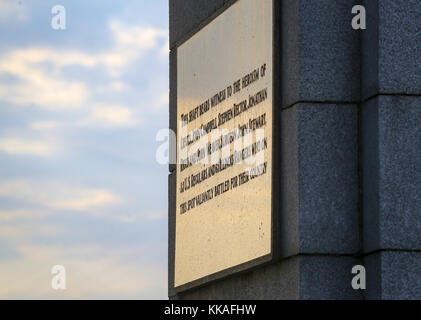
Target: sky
x: 79, y: 183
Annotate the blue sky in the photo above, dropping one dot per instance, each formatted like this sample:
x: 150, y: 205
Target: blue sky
x: 79, y: 184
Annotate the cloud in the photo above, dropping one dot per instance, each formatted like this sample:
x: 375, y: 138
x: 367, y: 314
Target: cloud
x: 85, y: 199
x: 110, y: 115
x: 53, y: 88
x: 134, y: 39
x: 25, y: 231
x: 41, y: 199
x: 146, y: 216
x: 91, y: 272
x: 21, y: 214
x: 39, y: 88
x: 27, y: 147
x: 114, y: 86
x: 41, y: 79
x: 163, y: 101
x: 10, y: 9
x: 130, y: 43
x: 58, y: 196
x: 44, y: 125
x: 165, y: 51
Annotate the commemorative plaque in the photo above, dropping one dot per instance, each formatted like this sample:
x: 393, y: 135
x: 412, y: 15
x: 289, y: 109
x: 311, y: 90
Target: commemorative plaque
x: 224, y: 214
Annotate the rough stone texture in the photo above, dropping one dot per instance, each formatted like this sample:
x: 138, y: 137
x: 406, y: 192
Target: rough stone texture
x: 187, y: 15
x: 370, y: 168
x: 372, y: 264
x: 300, y: 277
x: 172, y: 185
x: 276, y: 281
x: 392, y: 179
x: 321, y: 52
x: 327, y: 278
x: 394, y: 38
x: 290, y: 238
x: 393, y: 275
x: 320, y: 179
x: 322, y: 58
x: 173, y: 109
x: 391, y: 145
x: 369, y: 51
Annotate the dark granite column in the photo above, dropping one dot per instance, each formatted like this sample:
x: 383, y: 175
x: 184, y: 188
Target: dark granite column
x: 320, y: 176
x: 320, y: 235
x: 351, y: 150
x: 391, y: 131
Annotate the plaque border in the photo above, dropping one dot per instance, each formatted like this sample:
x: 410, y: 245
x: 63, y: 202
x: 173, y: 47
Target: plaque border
x: 275, y: 255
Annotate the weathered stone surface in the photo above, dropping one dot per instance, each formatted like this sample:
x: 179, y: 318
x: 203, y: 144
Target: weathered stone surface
x: 327, y: 278
x: 393, y: 275
x: 391, y: 46
x: 300, y: 277
x: 277, y: 281
x: 324, y: 61
x: 320, y: 179
x: 321, y: 52
x: 392, y: 179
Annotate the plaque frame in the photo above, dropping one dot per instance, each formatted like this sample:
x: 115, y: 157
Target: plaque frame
x: 275, y: 255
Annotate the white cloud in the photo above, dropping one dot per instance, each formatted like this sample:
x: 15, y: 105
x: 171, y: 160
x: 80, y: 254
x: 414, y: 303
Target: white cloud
x: 13, y: 10
x: 39, y: 88
x: 117, y: 86
x: 135, y: 37
x: 85, y: 199
x: 146, y: 216
x: 44, y: 125
x: 113, y: 86
x: 110, y: 115
x: 41, y: 82
x: 27, y: 147
x: 165, y: 51
x: 21, y: 214
x: 92, y: 272
x: 40, y: 78
x: 40, y: 199
x: 40, y: 70
x: 59, y: 196
x: 163, y: 101
x: 26, y: 231
x: 130, y: 43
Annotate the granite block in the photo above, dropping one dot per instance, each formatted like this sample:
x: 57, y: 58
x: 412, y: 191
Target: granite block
x: 321, y: 52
